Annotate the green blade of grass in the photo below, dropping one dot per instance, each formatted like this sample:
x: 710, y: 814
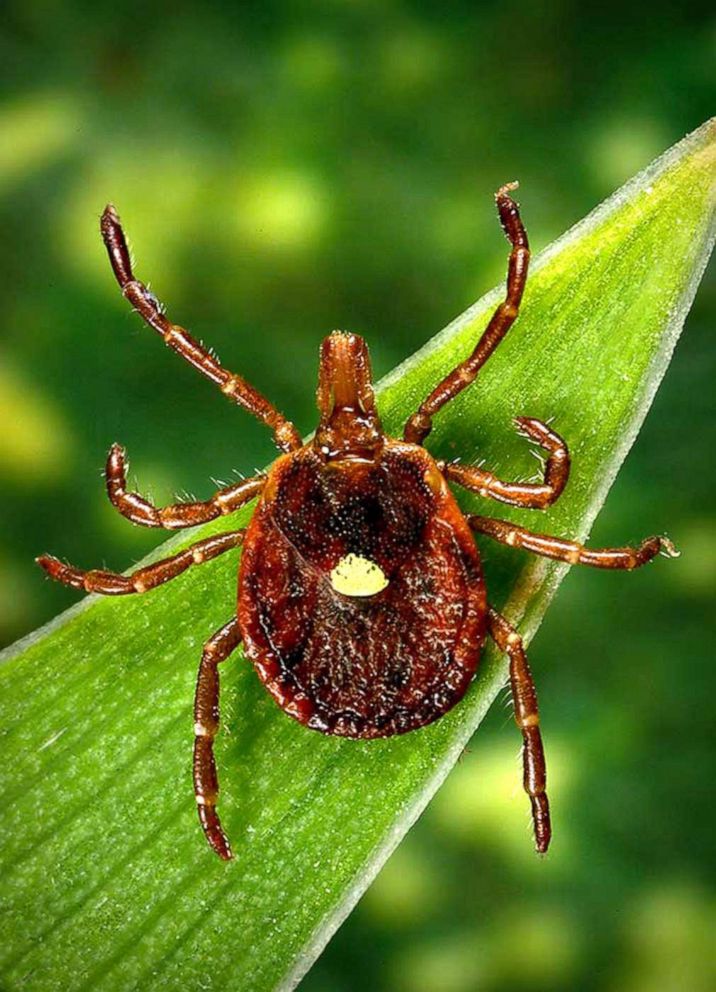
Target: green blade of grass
x: 106, y: 880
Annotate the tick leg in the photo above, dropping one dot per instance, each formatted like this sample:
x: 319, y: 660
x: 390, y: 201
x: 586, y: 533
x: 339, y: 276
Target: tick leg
x: 420, y: 424
x: 206, y: 724
x: 524, y: 696
x: 571, y: 551
x: 152, y: 312
x: 113, y: 584
x: 535, y: 497
x: 140, y: 511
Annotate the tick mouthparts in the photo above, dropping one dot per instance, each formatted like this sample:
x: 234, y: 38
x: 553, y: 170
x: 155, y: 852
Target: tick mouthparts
x: 345, y: 381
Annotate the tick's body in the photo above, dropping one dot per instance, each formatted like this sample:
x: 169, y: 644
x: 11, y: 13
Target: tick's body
x: 362, y: 666
x: 361, y: 598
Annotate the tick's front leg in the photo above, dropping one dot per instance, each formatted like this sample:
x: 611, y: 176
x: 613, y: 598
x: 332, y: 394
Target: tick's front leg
x: 420, y: 424
x: 206, y: 724
x: 179, y: 340
x: 529, y: 495
x: 571, y: 551
x: 524, y: 697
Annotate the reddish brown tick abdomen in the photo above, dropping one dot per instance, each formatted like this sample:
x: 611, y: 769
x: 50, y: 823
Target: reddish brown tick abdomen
x: 351, y: 665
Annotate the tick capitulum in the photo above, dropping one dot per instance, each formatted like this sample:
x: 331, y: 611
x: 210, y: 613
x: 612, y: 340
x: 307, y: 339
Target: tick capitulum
x: 361, y: 601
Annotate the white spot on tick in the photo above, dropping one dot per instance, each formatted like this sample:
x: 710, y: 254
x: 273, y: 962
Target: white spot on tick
x: 358, y: 576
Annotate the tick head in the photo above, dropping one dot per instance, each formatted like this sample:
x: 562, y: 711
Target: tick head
x: 349, y: 428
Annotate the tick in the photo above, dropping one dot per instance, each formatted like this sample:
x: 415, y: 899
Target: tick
x: 361, y: 598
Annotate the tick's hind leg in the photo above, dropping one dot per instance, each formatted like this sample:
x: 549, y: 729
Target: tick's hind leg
x: 571, y: 551
x: 144, y: 579
x: 524, y: 696
x: 206, y: 724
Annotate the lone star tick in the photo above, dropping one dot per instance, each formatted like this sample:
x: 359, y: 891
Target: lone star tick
x: 361, y: 599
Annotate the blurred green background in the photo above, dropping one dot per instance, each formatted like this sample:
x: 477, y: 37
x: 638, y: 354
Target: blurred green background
x: 285, y: 168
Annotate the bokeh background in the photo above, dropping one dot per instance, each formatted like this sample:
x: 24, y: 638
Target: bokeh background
x: 288, y: 167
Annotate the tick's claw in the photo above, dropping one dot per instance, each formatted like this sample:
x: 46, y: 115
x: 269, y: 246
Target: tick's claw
x: 49, y: 564
x: 506, y: 189
x: 211, y: 825
x: 224, y: 851
x: 529, y: 427
x: 220, y: 843
x: 668, y: 549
